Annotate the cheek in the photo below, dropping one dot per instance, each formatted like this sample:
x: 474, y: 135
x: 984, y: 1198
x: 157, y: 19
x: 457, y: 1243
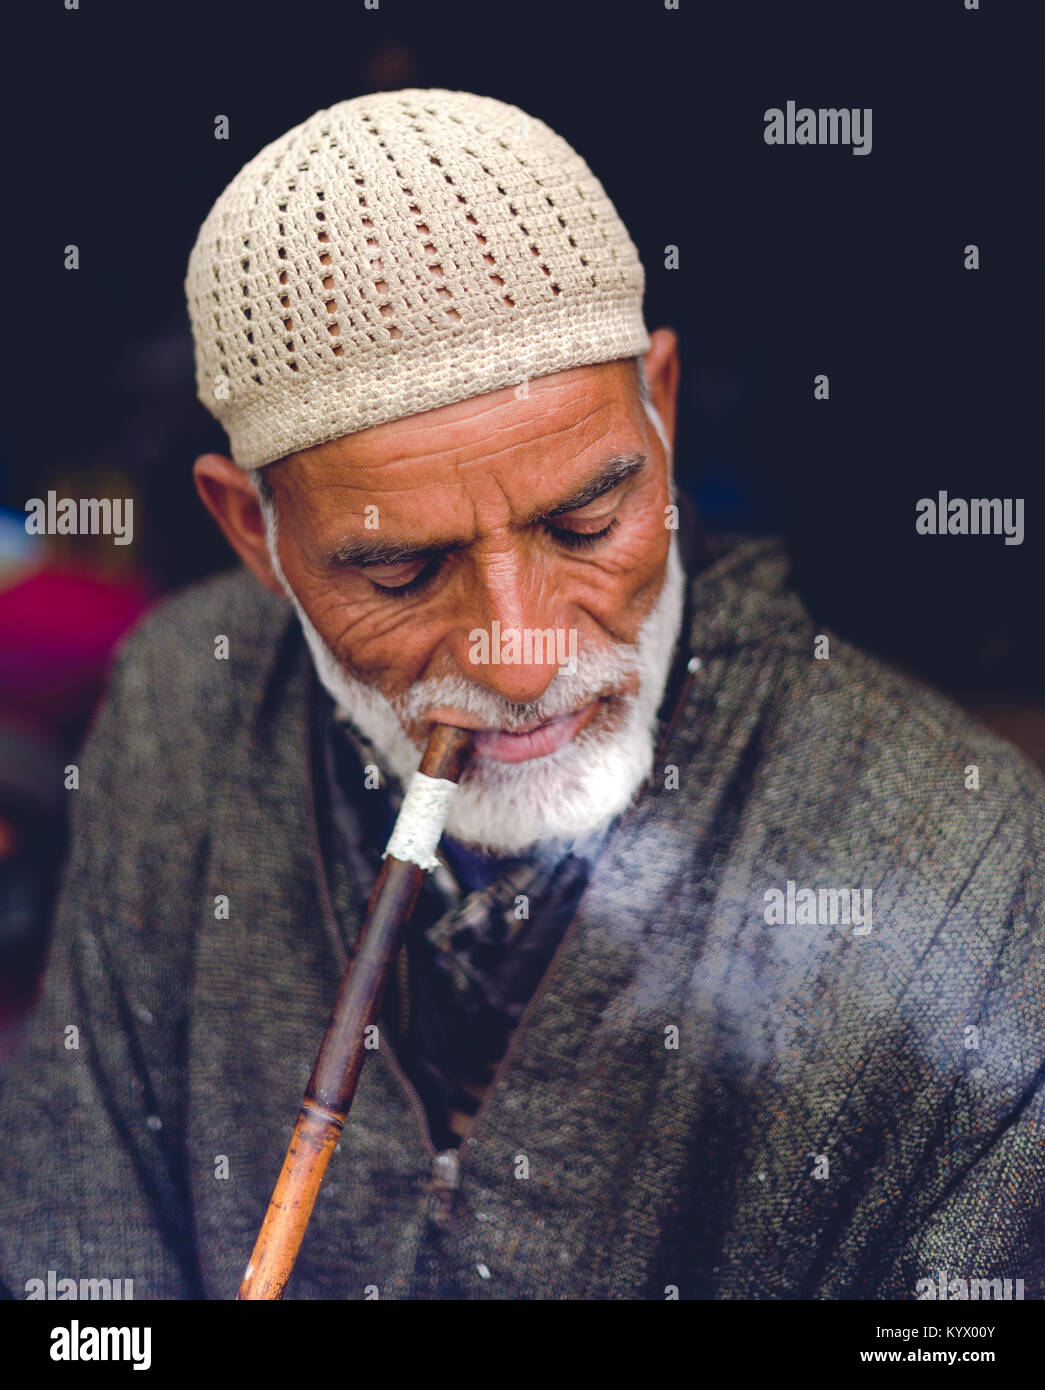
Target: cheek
x: 621, y: 589
x: 372, y: 638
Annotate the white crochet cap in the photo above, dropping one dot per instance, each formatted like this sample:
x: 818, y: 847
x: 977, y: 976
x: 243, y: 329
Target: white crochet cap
x: 396, y: 253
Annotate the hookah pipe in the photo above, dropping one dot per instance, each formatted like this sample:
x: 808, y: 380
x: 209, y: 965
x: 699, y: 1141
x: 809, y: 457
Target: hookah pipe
x: 335, y: 1076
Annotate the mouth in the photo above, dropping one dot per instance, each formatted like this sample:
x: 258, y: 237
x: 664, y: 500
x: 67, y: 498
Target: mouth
x: 500, y: 746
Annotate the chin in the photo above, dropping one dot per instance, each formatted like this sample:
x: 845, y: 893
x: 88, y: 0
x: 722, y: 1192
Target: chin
x: 508, y: 808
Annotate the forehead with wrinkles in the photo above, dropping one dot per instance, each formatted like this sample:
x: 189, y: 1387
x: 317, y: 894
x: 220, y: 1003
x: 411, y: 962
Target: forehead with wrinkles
x: 494, y: 460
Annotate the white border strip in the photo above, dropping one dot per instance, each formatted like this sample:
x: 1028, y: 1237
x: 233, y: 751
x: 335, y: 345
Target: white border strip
x: 420, y: 822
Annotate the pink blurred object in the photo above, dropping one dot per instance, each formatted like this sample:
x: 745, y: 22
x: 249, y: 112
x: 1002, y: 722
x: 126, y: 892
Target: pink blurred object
x: 58, y: 628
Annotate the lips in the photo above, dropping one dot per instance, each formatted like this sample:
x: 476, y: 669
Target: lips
x: 538, y: 742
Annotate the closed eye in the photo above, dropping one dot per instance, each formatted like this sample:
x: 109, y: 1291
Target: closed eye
x: 572, y: 540
x: 581, y: 540
x: 413, y: 586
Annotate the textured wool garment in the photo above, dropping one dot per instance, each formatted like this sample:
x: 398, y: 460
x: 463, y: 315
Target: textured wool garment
x: 396, y: 253
x: 648, y: 1166
x: 471, y: 960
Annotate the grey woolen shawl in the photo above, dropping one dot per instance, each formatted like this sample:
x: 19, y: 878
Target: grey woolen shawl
x: 843, y: 1115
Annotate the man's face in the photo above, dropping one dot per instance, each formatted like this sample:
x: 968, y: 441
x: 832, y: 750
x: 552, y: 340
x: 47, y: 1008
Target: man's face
x: 422, y: 551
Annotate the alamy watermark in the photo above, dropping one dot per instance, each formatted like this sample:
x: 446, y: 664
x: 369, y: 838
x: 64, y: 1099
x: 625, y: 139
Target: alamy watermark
x: 527, y: 646
x: 819, y: 907
x: 824, y: 125
x: 82, y: 1343
x: 957, y: 1289
x: 81, y: 516
x: 61, y: 1289
x: 976, y: 516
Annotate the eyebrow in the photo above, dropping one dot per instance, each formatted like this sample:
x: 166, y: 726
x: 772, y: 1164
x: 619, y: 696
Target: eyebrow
x: 363, y: 553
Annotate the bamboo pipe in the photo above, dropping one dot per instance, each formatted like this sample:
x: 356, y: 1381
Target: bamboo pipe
x: 335, y: 1075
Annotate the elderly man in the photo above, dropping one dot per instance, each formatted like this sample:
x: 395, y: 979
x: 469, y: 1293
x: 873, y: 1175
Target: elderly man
x: 729, y: 981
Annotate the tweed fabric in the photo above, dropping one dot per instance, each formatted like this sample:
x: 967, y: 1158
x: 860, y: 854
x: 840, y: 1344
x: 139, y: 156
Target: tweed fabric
x: 396, y: 253
x: 649, y: 1166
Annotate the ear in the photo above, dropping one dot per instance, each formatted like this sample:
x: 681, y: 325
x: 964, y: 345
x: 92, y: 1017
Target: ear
x: 662, y: 373
x: 228, y: 494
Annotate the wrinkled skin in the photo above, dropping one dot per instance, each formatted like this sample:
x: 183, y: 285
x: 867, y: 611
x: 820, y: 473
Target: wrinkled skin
x: 475, y: 475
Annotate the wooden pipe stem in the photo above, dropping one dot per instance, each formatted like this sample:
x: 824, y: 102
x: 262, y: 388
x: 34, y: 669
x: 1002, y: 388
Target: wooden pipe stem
x: 335, y: 1075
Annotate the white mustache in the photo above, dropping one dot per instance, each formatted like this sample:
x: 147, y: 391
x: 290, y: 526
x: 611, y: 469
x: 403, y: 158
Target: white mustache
x: 597, y: 675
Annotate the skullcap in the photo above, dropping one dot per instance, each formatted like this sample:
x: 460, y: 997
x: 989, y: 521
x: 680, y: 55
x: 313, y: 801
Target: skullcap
x: 396, y: 253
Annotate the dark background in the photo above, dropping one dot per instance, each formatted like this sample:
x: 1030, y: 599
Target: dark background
x: 794, y: 261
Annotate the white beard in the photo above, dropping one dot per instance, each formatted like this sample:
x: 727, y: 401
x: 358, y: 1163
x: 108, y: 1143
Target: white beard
x: 507, y: 808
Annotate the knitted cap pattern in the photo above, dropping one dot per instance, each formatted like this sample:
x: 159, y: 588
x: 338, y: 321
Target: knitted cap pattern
x: 396, y: 253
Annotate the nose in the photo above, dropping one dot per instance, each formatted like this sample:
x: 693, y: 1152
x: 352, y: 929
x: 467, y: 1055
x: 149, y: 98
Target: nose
x: 512, y: 640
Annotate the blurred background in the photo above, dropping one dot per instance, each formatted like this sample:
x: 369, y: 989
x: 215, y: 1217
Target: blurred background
x: 792, y: 261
